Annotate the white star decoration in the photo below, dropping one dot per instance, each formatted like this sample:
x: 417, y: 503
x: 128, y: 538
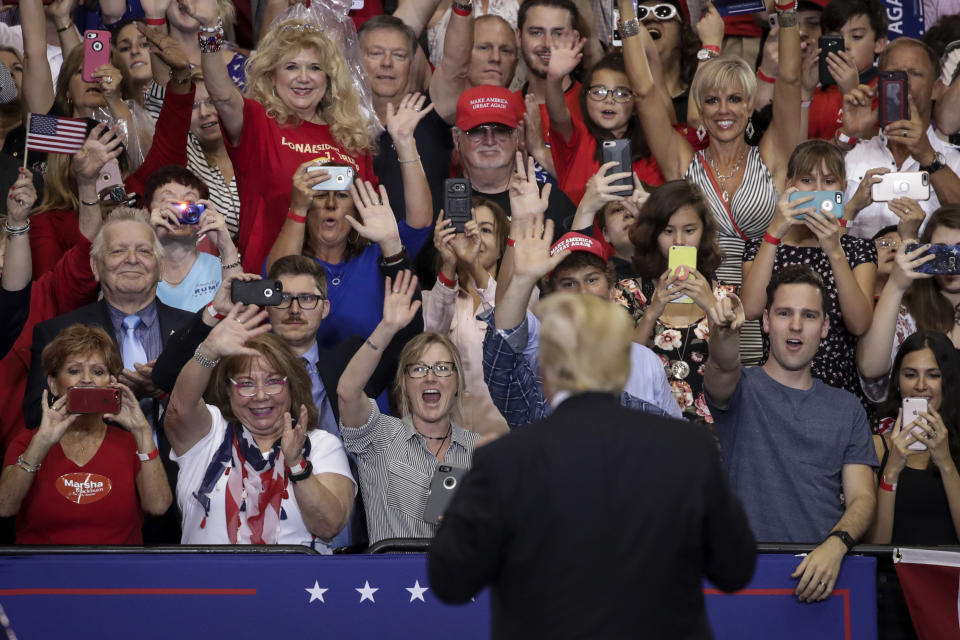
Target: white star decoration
x: 416, y: 591
x: 316, y: 593
x: 366, y: 592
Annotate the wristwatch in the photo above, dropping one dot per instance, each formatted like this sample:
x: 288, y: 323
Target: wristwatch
x: 845, y: 537
x: 938, y: 163
x: 705, y: 54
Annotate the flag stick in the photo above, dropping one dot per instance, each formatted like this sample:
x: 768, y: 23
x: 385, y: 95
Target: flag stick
x: 25, y: 147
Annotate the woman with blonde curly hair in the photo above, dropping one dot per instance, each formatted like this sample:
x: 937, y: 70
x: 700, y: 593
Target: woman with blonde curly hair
x: 301, y: 105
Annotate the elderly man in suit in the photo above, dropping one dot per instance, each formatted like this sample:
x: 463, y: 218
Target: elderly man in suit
x: 600, y: 521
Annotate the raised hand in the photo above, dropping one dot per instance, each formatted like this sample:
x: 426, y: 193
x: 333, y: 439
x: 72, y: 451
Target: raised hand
x: 564, y: 57
x: 228, y: 338
x: 60, y: 11
x: 56, y: 420
x: 531, y: 249
x: 304, y: 181
x: 101, y: 146
x: 402, y: 121
x: 165, y: 47
x: 399, y: 307
x: 203, y: 12
x: 600, y: 189
x: 379, y: 224
x: 710, y: 26
x: 20, y: 199
x: 443, y: 233
x: 910, y: 214
x: 155, y: 8
x: 292, y: 438
x: 467, y: 244
x: 526, y: 198
x: 221, y: 300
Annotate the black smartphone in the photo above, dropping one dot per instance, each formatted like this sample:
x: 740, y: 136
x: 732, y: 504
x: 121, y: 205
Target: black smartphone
x: 263, y: 293
x: 892, y: 87
x: 945, y: 263
x: 828, y: 44
x: 619, y: 151
x: 457, y: 194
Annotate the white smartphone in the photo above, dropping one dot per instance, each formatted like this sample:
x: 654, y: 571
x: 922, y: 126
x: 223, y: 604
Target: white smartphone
x: 912, y: 408
x: 909, y: 184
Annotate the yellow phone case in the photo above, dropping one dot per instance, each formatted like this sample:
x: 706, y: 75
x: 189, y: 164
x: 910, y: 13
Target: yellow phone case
x: 682, y: 256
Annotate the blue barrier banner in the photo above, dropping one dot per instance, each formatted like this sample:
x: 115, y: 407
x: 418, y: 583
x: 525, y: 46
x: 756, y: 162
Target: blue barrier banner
x: 100, y: 596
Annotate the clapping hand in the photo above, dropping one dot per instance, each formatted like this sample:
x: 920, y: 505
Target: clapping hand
x: 399, y: 307
x: 292, y: 438
x: 20, y: 199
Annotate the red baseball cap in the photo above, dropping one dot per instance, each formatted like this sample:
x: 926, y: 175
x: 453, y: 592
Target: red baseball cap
x: 486, y: 103
x: 578, y: 242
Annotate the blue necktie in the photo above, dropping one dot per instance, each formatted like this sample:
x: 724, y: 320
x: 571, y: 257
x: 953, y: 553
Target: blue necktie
x: 133, y: 351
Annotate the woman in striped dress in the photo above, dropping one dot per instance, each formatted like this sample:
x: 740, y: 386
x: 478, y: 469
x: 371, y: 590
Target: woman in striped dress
x: 741, y: 182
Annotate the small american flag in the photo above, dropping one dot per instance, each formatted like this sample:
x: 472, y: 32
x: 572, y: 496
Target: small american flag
x: 54, y: 134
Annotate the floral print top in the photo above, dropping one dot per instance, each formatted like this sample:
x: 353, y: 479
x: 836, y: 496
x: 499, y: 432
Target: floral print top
x: 672, y: 343
x: 835, y: 361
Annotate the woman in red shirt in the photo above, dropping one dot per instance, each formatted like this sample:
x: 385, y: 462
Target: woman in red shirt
x: 77, y: 480
x: 302, y: 105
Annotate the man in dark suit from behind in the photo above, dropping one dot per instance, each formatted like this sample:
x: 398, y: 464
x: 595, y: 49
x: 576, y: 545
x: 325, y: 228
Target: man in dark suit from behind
x: 599, y: 521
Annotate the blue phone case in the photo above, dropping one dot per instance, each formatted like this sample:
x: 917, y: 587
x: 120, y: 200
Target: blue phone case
x: 946, y: 262
x: 826, y: 202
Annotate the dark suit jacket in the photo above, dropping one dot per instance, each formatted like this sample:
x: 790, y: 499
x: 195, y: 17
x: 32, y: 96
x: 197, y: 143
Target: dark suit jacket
x: 598, y: 522
x: 97, y: 315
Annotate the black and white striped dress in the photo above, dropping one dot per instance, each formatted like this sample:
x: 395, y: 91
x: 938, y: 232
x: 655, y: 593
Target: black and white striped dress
x: 752, y: 208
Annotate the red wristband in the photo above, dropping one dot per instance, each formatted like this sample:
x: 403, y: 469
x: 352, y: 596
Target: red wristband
x: 886, y: 486
x: 213, y: 312
x: 295, y: 217
x: 461, y: 12
x: 511, y: 242
x: 774, y: 240
x: 447, y: 282
x: 147, y: 457
x: 156, y: 22
x: 711, y: 47
x: 786, y: 6
x: 762, y: 77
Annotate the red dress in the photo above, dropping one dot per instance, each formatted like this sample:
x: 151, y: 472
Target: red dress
x: 264, y: 162
x: 97, y: 503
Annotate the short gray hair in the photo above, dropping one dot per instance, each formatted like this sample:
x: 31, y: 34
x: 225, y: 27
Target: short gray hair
x: 124, y: 214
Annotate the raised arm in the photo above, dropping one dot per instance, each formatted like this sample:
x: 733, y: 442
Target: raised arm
x: 783, y: 134
x: 876, y: 345
x: 449, y: 79
x: 401, y: 123
x: 670, y: 149
x: 223, y: 93
x: 947, y: 110
x: 564, y: 58
x: 17, y: 263
x: 416, y: 14
x: 36, y: 94
x: 399, y: 308
x: 187, y: 420
x: 722, y: 372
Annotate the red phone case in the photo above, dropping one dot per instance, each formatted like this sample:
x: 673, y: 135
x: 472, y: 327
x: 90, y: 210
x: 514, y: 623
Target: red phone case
x: 93, y: 400
x: 96, y: 52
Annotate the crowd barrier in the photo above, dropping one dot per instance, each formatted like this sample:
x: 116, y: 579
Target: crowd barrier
x: 217, y: 592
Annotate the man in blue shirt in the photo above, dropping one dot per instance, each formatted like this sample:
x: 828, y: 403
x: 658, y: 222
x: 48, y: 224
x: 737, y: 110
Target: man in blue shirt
x: 575, y: 264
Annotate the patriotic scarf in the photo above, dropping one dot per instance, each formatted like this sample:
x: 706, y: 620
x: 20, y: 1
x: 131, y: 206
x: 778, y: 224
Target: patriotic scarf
x: 255, y: 489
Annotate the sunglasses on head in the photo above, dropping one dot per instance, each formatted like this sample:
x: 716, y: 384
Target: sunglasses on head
x: 661, y: 12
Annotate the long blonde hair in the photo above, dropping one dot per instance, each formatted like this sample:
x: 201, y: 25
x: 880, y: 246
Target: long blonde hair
x: 340, y: 106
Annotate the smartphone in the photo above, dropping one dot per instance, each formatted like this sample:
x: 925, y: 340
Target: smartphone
x: 619, y: 151
x: 110, y: 177
x: 828, y: 44
x: 617, y: 39
x: 892, y: 89
x: 190, y: 212
x: 457, y: 195
x: 909, y: 184
x: 263, y: 293
x: 912, y: 408
x: 945, y: 263
x: 93, y: 400
x: 445, y: 481
x: 96, y: 52
x: 340, y: 178
x: 682, y: 256
x: 826, y: 202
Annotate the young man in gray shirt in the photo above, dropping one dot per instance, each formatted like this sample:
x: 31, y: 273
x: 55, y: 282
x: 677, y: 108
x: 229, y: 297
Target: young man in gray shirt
x: 798, y: 451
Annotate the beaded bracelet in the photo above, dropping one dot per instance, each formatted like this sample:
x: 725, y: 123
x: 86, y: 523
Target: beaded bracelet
x: 13, y: 232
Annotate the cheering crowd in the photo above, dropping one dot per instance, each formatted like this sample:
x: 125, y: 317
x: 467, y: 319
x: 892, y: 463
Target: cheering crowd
x: 235, y: 226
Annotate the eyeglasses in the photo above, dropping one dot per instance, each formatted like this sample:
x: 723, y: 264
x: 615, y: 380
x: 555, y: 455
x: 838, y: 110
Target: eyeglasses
x: 272, y: 387
x: 200, y: 103
x: 888, y: 244
x: 500, y: 132
x: 661, y: 12
x: 440, y: 369
x: 599, y: 93
x: 305, y: 300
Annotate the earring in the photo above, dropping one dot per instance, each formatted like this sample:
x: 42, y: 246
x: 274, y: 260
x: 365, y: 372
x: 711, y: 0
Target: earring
x: 750, y: 129
x: 701, y: 132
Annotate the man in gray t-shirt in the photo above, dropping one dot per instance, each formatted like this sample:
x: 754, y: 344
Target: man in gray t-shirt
x: 799, y: 452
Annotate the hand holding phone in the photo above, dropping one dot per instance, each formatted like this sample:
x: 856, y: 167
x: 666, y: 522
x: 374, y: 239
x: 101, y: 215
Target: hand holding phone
x: 912, y: 408
x: 908, y: 184
x: 828, y: 203
x: 681, y: 256
x: 892, y: 89
x: 263, y: 293
x: 946, y: 259
x: 619, y: 151
x: 96, y: 52
x: 828, y: 45
x: 93, y: 400
x: 457, y: 197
